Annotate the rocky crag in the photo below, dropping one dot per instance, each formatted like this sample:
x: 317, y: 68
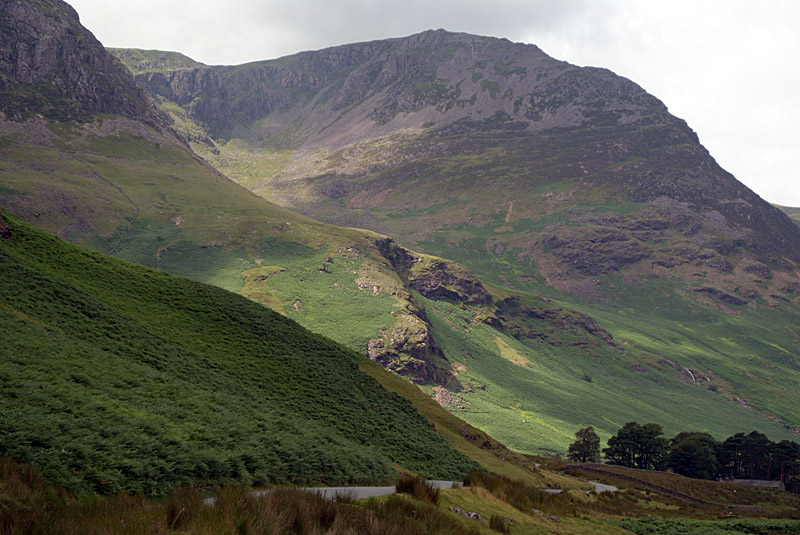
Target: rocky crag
x: 51, y: 66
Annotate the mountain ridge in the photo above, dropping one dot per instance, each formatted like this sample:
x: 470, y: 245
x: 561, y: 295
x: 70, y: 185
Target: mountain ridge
x: 569, y: 96
x: 519, y: 358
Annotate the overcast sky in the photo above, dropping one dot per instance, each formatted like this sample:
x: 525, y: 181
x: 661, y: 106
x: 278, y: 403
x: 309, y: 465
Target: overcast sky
x: 730, y: 68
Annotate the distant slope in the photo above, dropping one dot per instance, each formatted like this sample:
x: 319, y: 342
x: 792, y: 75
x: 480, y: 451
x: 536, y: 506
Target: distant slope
x: 793, y: 213
x: 140, y: 61
x: 117, y: 377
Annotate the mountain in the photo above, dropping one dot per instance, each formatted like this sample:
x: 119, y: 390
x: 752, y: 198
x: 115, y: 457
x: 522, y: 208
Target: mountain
x: 119, y: 377
x: 490, y: 339
x: 84, y: 154
x: 628, y: 276
x: 420, y: 136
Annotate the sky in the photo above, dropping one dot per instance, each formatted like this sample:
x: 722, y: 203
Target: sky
x: 730, y: 68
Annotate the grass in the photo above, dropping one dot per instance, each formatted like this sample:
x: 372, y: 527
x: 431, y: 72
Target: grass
x: 41, y: 509
x: 116, y: 377
x: 30, y: 505
x: 657, y: 526
x: 418, y: 488
x: 538, y: 406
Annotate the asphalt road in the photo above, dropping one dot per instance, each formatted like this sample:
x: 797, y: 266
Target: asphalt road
x: 358, y: 493
x: 355, y: 493
x: 598, y: 487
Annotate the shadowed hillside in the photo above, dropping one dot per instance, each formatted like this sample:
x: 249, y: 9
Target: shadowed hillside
x: 117, y: 377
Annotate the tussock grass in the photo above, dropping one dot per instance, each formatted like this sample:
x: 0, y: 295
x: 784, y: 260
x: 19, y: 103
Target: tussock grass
x: 418, y: 488
x: 499, y: 524
x: 30, y: 506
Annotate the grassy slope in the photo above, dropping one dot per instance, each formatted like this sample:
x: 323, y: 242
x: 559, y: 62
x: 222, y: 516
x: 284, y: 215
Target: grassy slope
x: 539, y: 407
x: 532, y: 396
x: 119, y: 377
x: 794, y: 213
x: 753, y: 364
x: 660, y: 329
x: 469, y: 440
x: 119, y: 187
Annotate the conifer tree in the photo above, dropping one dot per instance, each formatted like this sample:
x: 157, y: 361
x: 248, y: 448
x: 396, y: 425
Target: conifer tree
x: 586, y: 447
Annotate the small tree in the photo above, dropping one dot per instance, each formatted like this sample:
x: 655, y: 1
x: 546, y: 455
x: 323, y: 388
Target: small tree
x: 586, y: 448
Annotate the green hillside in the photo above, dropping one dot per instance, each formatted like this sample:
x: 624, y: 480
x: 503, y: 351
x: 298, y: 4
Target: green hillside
x: 126, y: 188
x: 117, y: 377
x: 111, y: 174
x: 631, y: 276
x: 606, y: 293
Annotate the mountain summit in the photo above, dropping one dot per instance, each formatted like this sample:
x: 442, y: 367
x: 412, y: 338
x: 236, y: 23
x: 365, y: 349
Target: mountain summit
x: 442, y: 134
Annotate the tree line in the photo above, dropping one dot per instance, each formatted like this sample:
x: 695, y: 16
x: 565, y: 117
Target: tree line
x: 694, y: 454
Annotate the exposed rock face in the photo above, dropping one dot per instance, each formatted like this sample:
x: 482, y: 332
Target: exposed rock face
x: 437, y: 282
x: 408, y: 349
x: 51, y: 65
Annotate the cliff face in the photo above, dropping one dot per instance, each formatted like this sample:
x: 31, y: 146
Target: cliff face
x: 53, y: 66
x: 396, y: 83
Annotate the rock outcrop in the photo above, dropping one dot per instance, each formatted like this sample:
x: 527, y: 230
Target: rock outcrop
x: 53, y: 66
x: 439, y: 280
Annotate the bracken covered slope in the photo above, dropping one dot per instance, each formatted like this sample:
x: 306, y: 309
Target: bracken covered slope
x: 118, y: 377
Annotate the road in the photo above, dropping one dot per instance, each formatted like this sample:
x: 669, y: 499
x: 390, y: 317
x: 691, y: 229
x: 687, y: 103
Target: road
x: 598, y: 487
x: 358, y: 493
